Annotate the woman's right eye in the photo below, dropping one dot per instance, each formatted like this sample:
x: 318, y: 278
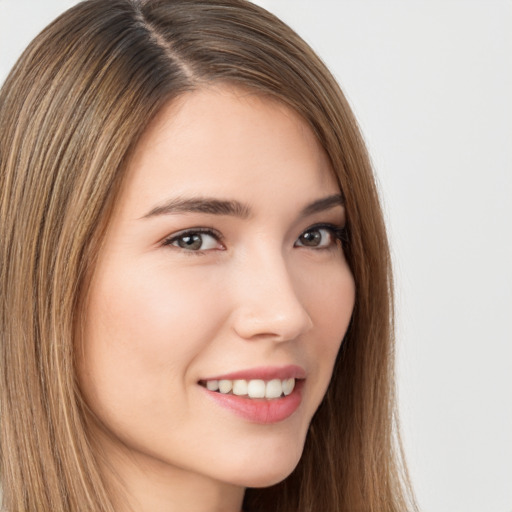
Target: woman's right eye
x: 195, y: 241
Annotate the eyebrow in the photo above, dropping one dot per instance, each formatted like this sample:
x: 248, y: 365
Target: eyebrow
x: 201, y: 205
x: 232, y: 208
x: 323, y: 204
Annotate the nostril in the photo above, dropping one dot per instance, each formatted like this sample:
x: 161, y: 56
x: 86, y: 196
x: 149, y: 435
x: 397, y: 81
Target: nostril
x: 272, y: 324
x: 266, y: 303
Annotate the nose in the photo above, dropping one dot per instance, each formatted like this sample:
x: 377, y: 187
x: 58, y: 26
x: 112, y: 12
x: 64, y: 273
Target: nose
x: 267, y: 303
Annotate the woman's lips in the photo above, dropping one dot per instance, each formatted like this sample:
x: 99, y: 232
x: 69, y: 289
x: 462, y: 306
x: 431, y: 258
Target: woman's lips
x: 261, y: 395
x: 290, y: 371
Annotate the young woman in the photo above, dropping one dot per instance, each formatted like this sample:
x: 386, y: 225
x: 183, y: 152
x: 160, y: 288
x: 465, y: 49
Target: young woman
x: 195, y: 279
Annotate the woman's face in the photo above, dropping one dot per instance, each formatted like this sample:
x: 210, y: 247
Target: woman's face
x: 221, y: 267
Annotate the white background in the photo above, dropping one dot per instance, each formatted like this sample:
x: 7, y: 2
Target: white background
x: 431, y: 84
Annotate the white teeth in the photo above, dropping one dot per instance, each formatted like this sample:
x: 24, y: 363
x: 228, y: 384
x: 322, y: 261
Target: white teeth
x: 225, y: 386
x: 239, y: 387
x: 212, y: 385
x: 255, y: 388
x: 274, y: 389
x: 288, y: 386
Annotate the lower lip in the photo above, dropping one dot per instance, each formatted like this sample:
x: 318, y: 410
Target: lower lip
x: 260, y: 410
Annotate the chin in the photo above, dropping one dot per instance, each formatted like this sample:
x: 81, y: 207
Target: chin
x: 269, y: 479
x: 267, y: 470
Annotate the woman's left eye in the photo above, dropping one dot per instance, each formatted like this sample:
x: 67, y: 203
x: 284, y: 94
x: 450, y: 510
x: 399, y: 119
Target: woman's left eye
x: 319, y: 237
x: 195, y: 241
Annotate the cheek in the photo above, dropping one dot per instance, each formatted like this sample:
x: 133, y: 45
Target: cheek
x: 331, y: 299
x: 148, y: 313
x: 331, y: 305
x: 142, y: 334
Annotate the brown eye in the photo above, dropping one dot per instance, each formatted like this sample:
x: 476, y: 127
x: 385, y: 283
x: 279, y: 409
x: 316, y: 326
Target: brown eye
x: 317, y: 237
x: 195, y: 241
x: 190, y: 242
x: 311, y: 238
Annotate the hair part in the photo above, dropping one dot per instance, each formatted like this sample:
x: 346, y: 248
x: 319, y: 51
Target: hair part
x: 71, y: 112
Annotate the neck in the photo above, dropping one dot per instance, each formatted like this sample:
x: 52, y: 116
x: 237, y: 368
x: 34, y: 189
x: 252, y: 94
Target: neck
x: 141, y: 483
x: 146, y: 491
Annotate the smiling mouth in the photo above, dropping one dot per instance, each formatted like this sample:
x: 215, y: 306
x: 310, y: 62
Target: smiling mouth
x: 254, y: 388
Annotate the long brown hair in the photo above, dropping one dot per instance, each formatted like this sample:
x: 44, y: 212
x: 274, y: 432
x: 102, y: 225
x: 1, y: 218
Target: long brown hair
x: 71, y: 112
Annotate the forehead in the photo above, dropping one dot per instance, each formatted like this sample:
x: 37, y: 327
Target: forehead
x: 227, y: 141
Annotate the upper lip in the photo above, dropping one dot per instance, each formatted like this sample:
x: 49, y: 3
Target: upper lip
x: 290, y: 371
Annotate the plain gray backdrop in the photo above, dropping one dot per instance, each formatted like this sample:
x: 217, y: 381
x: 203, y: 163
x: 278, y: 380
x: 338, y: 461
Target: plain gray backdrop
x: 431, y: 85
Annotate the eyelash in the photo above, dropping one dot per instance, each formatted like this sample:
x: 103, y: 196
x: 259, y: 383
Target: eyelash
x: 190, y: 232
x: 339, y: 234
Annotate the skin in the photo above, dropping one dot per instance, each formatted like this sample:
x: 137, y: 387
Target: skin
x: 160, y: 317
